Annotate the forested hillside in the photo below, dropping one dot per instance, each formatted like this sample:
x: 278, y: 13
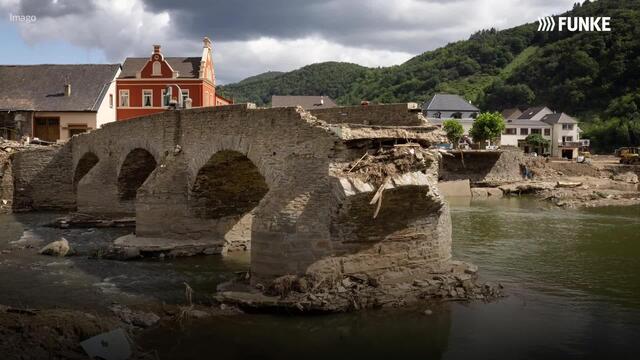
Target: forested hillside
x: 593, y: 76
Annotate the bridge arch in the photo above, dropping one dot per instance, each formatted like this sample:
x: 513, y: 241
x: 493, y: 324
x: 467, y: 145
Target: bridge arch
x: 225, y: 193
x: 228, y: 184
x: 134, y: 170
x: 82, y: 168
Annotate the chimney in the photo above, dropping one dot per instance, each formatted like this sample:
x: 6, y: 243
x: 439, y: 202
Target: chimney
x: 156, y: 49
x: 67, y: 89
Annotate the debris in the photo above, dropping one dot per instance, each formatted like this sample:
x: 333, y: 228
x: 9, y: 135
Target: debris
x: 113, y: 345
x: 56, y: 248
x: 377, y: 197
x: 568, y: 184
x: 136, y: 318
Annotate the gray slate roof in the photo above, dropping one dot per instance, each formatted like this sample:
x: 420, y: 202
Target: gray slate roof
x: 449, y: 102
x: 307, y: 102
x: 560, y: 118
x: 512, y: 113
x: 41, y: 87
x: 531, y: 112
x: 187, y: 67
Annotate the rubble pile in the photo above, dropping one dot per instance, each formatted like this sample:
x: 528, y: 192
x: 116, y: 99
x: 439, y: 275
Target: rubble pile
x: 375, y: 167
x: 358, y: 291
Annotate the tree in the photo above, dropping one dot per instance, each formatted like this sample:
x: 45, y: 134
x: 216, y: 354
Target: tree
x: 487, y: 126
x: 454, y: 131
x: 537, y: 142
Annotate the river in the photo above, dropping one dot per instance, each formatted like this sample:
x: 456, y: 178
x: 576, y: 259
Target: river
x: 572, y: 278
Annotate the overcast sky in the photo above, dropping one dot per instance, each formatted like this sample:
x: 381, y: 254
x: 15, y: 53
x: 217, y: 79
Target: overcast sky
x: 253, y: 36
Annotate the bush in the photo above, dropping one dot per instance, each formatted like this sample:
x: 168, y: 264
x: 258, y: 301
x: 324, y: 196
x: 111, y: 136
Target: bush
x: 454, y: 131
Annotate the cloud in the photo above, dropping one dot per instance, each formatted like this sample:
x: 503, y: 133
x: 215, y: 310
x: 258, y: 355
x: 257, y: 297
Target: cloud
x: 239, y: 59
x: 252, y: 36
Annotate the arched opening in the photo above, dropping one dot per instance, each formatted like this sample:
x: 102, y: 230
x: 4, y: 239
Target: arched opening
x: 86, y: 163
x: 157, y: 70
x: 226, y: 190
x: 137, y: 166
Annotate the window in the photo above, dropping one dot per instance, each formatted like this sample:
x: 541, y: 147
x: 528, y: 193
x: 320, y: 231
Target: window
x: 157, y: 70
x: 567, y: 126
x: 437, y: 115
x: 547, y: 132
x: 567, y: 138
x: 111, y: 101
x: 185, y: 96
x: 524, y: 131
x: 510, y: 131
x: 166, y: 100
x: 536, y: 131
x: 124, y: 98
x: 147, y: 98
x: 456, y: 115
x: 474, y: 115
x: 75, y: 129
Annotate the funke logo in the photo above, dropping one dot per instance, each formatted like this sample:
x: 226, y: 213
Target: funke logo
x: 548, y: 23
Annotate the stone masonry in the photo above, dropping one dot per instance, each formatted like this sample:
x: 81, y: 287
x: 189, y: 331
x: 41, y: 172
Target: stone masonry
x: 294, y: 186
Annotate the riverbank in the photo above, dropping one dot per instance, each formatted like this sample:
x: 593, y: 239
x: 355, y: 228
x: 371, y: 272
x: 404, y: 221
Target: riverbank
x: 598, y: 183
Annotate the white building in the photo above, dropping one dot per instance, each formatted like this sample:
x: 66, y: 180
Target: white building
x: 560, y: 129
x: 442, y: 107
x: 55, y: 102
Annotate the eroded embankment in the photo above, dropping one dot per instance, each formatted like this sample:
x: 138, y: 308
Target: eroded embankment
x: 567, y: 184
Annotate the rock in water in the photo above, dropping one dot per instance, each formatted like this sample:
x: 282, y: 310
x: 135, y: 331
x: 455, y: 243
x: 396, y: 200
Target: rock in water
x: 56, y: 248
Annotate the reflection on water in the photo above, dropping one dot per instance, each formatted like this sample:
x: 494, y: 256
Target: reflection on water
x: 573, y: 280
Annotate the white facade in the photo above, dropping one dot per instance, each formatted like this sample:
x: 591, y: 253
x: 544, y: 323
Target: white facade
x: 520, y: 129
x: 107, y: 107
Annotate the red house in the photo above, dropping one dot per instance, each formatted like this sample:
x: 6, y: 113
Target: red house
x: 142, y: 83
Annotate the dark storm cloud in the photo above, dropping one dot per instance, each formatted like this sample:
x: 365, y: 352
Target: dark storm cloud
x: 44, y: 8
x: 353, y: 23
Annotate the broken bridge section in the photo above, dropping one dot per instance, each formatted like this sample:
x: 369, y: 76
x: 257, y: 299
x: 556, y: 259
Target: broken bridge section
x: 327, y: 192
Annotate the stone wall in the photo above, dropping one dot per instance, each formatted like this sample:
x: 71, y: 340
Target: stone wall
x: 484, y: 167
x: 6, y: 182
x: 42, y: 179
x: 381, y: 115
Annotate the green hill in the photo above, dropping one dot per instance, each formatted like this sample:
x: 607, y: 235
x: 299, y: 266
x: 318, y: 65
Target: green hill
x: 330, y: 78
x: 594, y: 76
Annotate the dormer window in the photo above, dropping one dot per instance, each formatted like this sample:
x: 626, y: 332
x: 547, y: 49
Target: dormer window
x: 157, y: 69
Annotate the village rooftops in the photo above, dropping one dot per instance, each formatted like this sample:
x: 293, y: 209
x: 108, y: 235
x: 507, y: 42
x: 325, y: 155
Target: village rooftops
x: 533, y: 111
x: 449, y: 102
x: 307, y: 102
x: 512, y: 113
x: 186, y: 67
x: 560, y: 118
x: 42, y: 87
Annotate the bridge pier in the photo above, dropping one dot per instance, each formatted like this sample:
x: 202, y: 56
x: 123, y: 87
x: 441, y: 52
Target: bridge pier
x: 97, y: 192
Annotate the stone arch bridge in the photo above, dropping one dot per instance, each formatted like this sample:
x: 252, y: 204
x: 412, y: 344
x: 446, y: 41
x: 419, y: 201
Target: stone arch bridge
x: 293, y: 186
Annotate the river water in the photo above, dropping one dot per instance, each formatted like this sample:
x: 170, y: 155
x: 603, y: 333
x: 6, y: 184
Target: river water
x: 572, y: 278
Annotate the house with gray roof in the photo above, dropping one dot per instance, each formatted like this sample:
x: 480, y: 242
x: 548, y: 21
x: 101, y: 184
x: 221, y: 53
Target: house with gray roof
x: 54, y: 102
x: 560, y: 129
x: 442, y: 107
x: 307, y: 102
